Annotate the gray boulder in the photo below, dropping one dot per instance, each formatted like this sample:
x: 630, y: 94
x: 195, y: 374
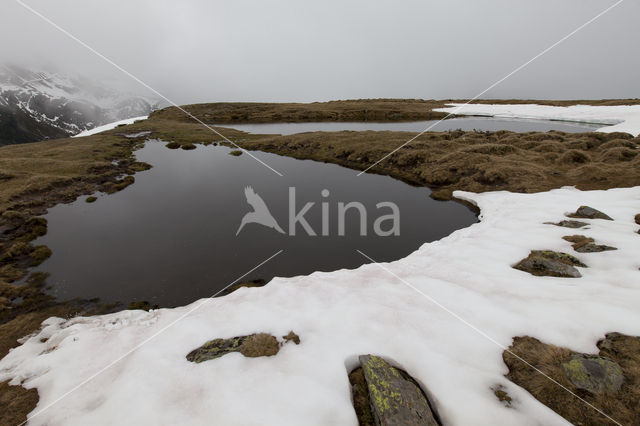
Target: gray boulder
x: 569, y: 224
x: 586, y: 212
x: 594, y: 373
x: 394, y: 397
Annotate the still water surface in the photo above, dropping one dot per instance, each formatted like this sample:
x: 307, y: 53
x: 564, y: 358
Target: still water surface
x: 471, y: 123
x: 171, y: 237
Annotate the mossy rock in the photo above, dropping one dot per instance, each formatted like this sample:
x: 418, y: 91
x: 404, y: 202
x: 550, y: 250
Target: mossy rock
x: 188, y: 146
x: 551, y: 264
x: 173, y: 145
x: 91, y: 199
x: 235, y: 152
x: 583, y: 244
x: 569, y: 224
x: 253, y: 345
x: 395, y: 398
x: 593, y: 373
x: 586, y: 212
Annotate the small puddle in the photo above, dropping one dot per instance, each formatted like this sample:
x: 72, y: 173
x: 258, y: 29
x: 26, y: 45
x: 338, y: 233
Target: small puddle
x: 471, y: 123
x: 171, y: 237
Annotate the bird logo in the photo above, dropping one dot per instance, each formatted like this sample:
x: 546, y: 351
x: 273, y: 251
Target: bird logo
x: 260, y: 213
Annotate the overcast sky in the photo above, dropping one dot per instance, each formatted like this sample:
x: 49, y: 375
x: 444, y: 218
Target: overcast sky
x: 296, y: 50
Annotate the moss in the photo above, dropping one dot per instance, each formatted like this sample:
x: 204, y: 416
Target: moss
x: 39, y: 255
x: 235, y: 152
x: 360, y: 393
x: 139, y: 166
x: 141, y: 305
x: 12, y: 215
x: 91, y: 199
x: 38, y: 279
x: 502, y: 395
x: 113, y: 187
x: 292, y: 337
x: 16, y: 250
x: 173, y: 145
x: 188, y: 146
x: 261, y: 344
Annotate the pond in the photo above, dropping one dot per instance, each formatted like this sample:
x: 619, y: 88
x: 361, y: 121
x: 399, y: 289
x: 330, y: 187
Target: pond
x: 171, y: 237
x: 466, y: 123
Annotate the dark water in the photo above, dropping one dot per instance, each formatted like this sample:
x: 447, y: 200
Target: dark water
x: 471, y: 123
x: 171, y: 237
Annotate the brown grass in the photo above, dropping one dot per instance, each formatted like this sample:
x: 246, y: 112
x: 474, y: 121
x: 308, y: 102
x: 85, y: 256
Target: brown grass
x: 622, y: 406
x: 261, y: 344
x: 472, y: 161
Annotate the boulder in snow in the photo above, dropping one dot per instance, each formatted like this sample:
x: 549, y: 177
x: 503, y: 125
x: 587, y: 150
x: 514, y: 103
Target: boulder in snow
x: 586, y: 212
x: 551, y: 264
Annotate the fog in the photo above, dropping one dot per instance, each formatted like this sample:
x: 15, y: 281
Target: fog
x: 292, y: 50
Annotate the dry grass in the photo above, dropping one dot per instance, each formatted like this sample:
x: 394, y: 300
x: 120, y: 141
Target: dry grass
x: 473, y: 161
x: 347, y: 110
x: 622, y: 406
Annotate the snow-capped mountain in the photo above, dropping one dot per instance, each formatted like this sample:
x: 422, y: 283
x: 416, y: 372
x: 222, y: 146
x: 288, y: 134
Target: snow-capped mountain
x: 37, y: 105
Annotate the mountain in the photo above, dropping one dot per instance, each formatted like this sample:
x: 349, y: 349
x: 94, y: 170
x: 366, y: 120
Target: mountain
x: 39, y: 105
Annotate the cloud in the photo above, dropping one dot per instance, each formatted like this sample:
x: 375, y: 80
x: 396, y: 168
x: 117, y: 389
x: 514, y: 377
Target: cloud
x: 288, y: 50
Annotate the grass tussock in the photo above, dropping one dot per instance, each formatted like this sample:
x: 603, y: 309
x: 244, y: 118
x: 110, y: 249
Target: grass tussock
x: 621, y: 406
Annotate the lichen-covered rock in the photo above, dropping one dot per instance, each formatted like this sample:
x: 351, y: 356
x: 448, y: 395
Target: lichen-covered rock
x: 253, y: 345
x: 569, y: 224
x: 594, y: 373
x: 586, y: 212
x: 583, y: 244
x: 551, y: 264
x: 394, y: 397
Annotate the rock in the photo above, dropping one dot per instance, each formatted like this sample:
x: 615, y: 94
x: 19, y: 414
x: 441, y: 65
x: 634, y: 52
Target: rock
x: 253, y: 345
x: 551, y: 264
x: 586, y: 212
x: 569, y: 223
x: 395, y: 398
x: 594, y: 373
x: 583, y: 244
x: 637, y: 218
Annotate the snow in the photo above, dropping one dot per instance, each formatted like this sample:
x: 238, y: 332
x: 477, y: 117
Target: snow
x: 109, y: 126
x: 344, y: 313
x: 623, y: 118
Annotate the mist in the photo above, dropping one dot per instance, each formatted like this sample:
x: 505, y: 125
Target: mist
x: 286, y: 50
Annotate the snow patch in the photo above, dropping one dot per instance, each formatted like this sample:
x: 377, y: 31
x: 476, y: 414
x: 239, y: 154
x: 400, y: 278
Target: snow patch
x: 109, y: 126
x: 339, y: 315
x: 622, y: 118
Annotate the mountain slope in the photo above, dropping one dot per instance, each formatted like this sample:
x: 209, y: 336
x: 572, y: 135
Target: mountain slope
x: 37, y: 105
